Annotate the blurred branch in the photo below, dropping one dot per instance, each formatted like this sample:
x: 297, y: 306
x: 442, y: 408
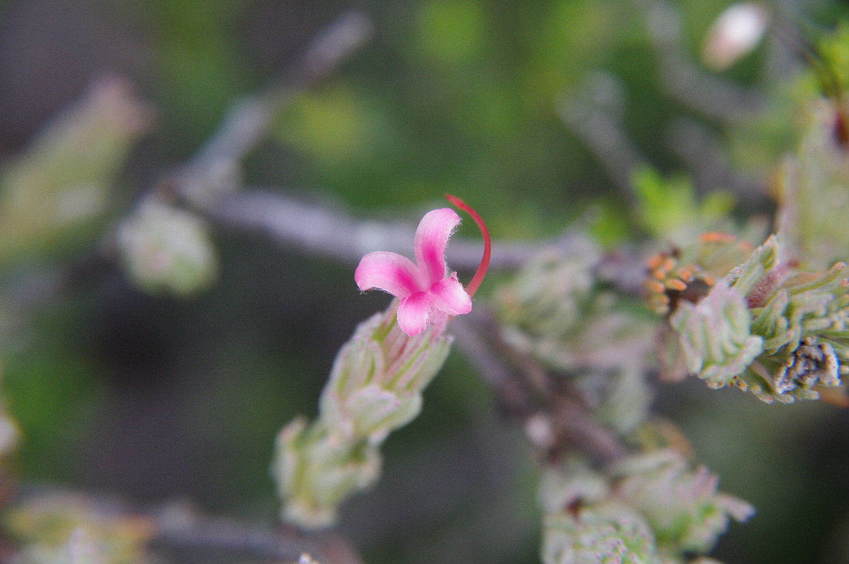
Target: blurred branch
x: 226, y: 536
x: 332, y: 233
x: 703, y: 153
x: 229, y: 537
x: 713, y: 96
x: 554, y: 417
x: 509, y: 391
x: 248, y: 120
x: 786, y: 43
x: 624, y: 269
x: 595, y: 116
x: 178, y: 527
x: 208, y: 181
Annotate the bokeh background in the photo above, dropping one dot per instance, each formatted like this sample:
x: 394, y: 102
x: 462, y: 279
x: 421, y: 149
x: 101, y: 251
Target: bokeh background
x: 156, y: 398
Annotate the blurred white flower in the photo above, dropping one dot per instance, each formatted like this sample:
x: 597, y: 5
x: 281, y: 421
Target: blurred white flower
x: 167, y: 250
x: 734, y: 34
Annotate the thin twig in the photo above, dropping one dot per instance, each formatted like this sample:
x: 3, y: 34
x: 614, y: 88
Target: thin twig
x: 209, y: 181
x: 228, y: 537
x: 595, y: 116
x: 219, y: 537
x: 217, y: 161
x: 330, y: 232
x: 491, y: 369
x: 530, y: 393
x: 178, y: 527
x: 786, y: 43
x: 703, y: 153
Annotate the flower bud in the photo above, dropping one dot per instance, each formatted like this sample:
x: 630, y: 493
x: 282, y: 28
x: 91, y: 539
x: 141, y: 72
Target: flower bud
x: 376, y: 382
x: 315, y: 471
x: 607, y: 532
x: 734, y: 34
x: 72, y: 529
x: 715, y: 335
x: 166, y: 249
x: 62, y: 180
x: 374, y: 388
x: 682, y: 505
x: 645, y: 506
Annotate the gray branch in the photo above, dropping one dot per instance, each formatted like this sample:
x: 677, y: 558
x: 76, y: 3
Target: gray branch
x: 596, y: 117
x: 177, y: 527
x: 703, y: 153
x: 237, y: 540
x: 219, y: 537
x: 214, y: 168
x: 330, y: 232
x: 526, y: 391
x: 327, y: 231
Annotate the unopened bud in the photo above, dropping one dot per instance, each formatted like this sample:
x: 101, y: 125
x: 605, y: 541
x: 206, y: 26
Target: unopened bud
x: 378, y: 376
x: 734, y: 34
x: 375, y: 387
x: 167, y: 250
x: 315, y: 471
x: 681, y: 504
x: 63, y: 178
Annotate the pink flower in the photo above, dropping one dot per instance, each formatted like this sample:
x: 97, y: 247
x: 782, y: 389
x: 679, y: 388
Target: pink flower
x: 427, y: 292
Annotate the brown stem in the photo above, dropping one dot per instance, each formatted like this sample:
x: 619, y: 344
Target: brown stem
x: 530, y: 393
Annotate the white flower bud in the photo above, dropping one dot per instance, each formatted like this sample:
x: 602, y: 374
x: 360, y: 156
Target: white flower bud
x: 734, y: 34
x: 167, y: 250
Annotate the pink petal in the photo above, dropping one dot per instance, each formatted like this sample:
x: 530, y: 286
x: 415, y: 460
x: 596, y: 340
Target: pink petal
x: 413, y: 313
x: 389, y: 272
x: 448, y: 295
x: 432, y: 236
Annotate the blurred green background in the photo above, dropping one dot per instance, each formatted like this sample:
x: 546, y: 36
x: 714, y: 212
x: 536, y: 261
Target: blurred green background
x: 155, y: 398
